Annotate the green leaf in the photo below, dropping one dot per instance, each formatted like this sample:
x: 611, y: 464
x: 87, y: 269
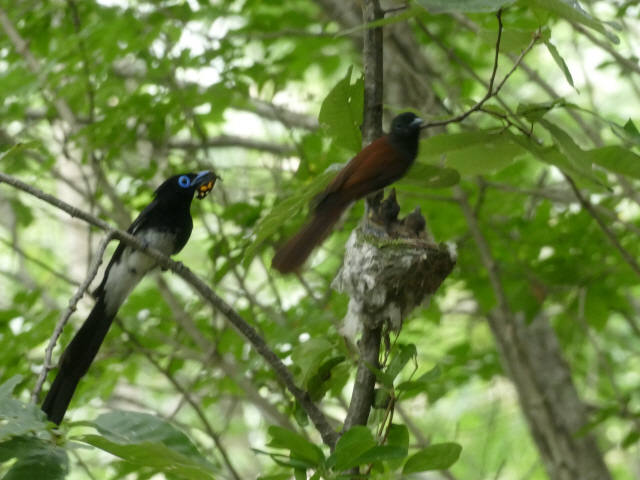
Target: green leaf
x: 384, y: 378
x: 397, y: 436
x: 573, y: 153
x: 616, y: 159
x: 132, y: 428
x: 320, y: 383
x: 308, y: 356
x: 398, y: 362
x: 561, y: 63
x: 6, y: 389
x: 401, y: 17
x: 297, y: 444
x: 484, y: 159
x: 513, y: 40
x: 341, y: 113
x: 284, y: 211
x: 17, y: 148
x: 352, y: 444
x: 471, y: 153
x: 533, y: 112
x: 286, y: 460
x: 430, y: 176
x: 463, y: 6
x: 432, y: 375
x: 379, y: 453
x: 422, y: 383
x: 439, y: 456
x: 628, y: 133
x: 571, y: 11
x: 156, y: 456
x: 35, y: 459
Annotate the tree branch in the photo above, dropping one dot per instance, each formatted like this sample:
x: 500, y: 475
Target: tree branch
x: 586, y: 204
x: 369, y: 345
x: 329, y: 436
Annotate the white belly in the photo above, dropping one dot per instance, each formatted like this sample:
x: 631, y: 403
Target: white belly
x: 133, y: 265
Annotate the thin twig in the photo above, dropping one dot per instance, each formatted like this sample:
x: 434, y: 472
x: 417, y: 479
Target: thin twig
x: 93, y: 271
x: 586, y: 204
x: 490, y: 92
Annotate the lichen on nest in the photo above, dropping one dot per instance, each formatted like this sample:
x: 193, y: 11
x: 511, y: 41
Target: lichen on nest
x: 387, y: 279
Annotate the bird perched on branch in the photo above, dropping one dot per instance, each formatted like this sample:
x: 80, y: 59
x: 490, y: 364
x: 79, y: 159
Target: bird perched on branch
x: 377, y: 166
x: 165, y: 224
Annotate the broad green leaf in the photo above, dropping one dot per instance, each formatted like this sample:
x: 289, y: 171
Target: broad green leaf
x: 573, y: 153
x: 471, y: 153
x: 560, y: 62
x: 463, y: 6
x: 156, y: 456
x: 429, y: 176
x: 297, y: 444
x: 533, y: 112
x: 352, y: 444
x: 341, y: 113
x: 383, y: 377
x: 378, y: 453
x: 131, y: 428
x: 616, y: 159
x: 397, y: 436
x: 512, y: 40
x: 571, y: 11
x: 35, y: 459
x: 319, y: 384
x: 628, y: 133
x: 300, y: 473
x: 422, y: 383
x: 439, y: 456
x: 7, y: 387
x: 483, y: 159
x: 432, y: 375
x: 308, y: 356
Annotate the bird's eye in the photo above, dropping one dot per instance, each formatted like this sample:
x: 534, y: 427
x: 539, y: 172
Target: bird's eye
x: 184, y: 181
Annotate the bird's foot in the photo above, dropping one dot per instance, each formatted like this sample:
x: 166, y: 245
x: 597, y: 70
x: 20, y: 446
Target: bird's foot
x: 180, y: 265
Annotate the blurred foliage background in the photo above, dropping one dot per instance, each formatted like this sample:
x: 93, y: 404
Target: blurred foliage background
x: 113, y: 96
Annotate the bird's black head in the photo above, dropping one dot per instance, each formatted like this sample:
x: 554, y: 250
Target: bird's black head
x: 406, y: 124
x: 405, y: 133
x: 186, y: 184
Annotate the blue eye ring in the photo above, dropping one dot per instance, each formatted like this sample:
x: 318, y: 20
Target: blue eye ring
x: 184, y: 181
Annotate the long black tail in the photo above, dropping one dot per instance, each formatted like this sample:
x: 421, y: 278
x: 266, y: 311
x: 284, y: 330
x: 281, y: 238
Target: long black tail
x: 75, y: 361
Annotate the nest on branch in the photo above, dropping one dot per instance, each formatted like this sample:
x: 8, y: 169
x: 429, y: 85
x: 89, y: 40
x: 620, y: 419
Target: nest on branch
x: 390, y: 267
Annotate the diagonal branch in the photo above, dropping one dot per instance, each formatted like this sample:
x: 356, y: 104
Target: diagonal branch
x: 329, y: 436
x: 586, y: 204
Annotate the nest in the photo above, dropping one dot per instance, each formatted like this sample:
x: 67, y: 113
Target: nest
x: 387, y: 278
